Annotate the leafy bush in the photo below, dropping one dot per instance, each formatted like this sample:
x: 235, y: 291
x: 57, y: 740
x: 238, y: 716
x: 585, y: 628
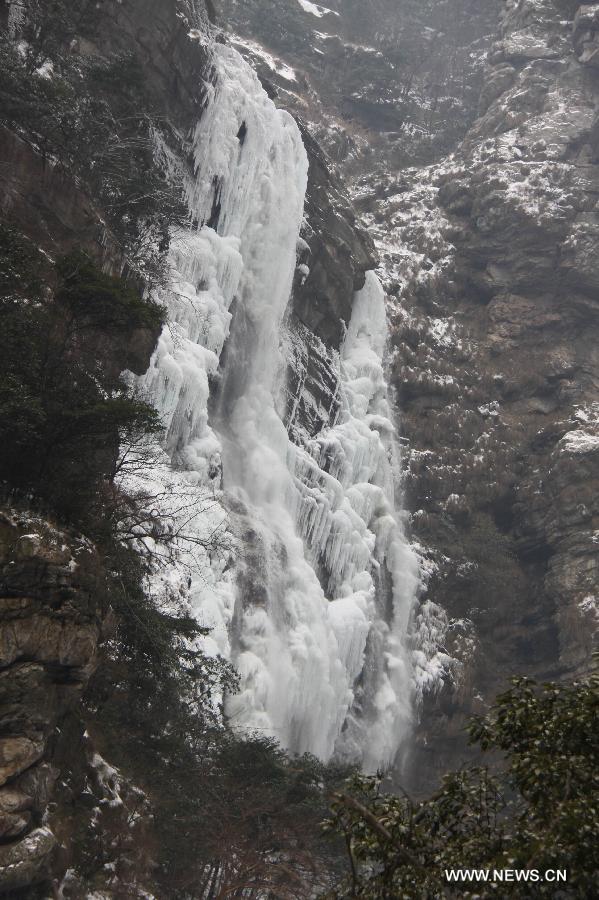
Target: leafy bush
x: 103, y: 301
x: 539, y: 812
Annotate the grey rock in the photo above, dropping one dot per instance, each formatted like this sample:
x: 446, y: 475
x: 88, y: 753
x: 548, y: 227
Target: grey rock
x: 27, y: 862
x: 17, y: 754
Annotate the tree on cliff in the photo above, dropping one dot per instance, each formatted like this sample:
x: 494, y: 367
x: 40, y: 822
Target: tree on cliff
x: 539, y: 812
x: 61, y: 414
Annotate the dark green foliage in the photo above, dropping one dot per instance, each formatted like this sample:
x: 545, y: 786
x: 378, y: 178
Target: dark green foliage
x: 539, y: 812
x: 551, y: 740
x: 60, y: 419
x: 101, y: 300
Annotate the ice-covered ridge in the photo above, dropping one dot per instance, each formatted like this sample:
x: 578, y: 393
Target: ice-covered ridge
x: 365, y: 48
x: 301, y: 642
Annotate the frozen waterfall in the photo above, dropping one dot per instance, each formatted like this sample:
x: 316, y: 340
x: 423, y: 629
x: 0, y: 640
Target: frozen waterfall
x: 324, y: 665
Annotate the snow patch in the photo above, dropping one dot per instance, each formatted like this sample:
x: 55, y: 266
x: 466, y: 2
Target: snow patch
x: 316, y: 10
x: 274, y: 64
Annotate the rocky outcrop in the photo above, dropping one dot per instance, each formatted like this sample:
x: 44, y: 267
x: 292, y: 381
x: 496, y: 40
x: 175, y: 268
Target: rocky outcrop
x: 388, y: 81
x: 336, y: 254
x: 29, y: 862
x: 55, y: 790
x: 51, y: 599
x: 39, y: 190
x: 333, y: 255
x: 174, y: 65
x: 45, y: 202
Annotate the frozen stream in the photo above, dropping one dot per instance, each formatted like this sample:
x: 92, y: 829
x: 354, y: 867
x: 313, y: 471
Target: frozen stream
x: 324, y: 668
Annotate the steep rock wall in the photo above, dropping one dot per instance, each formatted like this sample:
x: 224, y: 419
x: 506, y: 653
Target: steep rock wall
x: 54, y: 611
x: 492, y: 256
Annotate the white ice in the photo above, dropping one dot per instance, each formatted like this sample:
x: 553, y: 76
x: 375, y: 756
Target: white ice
x: 323, y: 660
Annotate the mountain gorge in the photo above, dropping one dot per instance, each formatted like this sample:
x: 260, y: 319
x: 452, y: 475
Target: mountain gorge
x: 316, y: 288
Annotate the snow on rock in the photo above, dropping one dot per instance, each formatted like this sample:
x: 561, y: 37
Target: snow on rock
x: 585, y: 437
x: 579, y: 442
x: 432, y: 664
x: 589, y: 606
x: 109, y: 781
x: 274, y: 64
x: 315, y: 9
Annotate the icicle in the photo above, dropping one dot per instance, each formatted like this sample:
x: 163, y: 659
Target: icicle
x: 323, y: 668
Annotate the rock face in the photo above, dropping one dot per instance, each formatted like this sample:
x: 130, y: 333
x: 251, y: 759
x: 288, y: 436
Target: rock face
x: 173, y: 64
x: 493, y: 257
x: 51, y: 590
x: 333, y: 256
x: 337, y: 255
x: 392, y: 78
x: 43, y: 200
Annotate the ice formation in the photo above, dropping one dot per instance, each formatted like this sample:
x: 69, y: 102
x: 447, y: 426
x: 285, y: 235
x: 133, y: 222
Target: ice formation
x: 312, y: 598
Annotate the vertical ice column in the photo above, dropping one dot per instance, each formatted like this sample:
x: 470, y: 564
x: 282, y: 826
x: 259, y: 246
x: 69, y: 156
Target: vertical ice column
x: 385, y: 696
x: 322, y: 666
x: 347, y: 514
x: 252, y: 175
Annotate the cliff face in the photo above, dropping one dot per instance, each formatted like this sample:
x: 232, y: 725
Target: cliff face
x: 51, y: 589
x: 62, y: 805
x: 55, y: 616
x: 332, y: 260
x: 492, y: 255
x: 393, y: 80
